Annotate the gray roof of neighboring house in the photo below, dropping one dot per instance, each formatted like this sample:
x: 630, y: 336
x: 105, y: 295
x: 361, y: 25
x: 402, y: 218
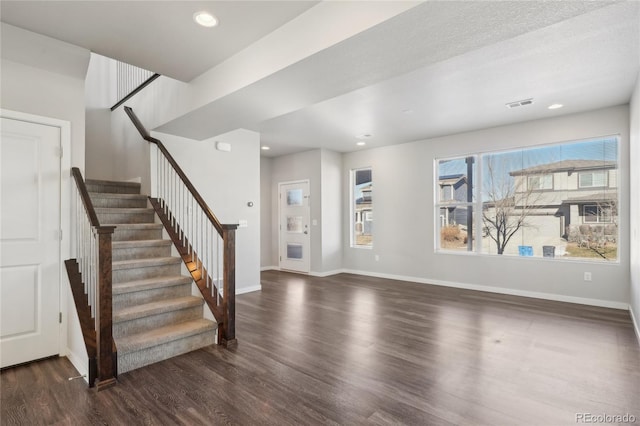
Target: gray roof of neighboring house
x: 451, y: 179
x: 600, y: 197
x: 566, y: 166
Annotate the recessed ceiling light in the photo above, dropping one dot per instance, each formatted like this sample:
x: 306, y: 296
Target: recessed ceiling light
x: 265, y: 148
x: 555, y: 106
x: 365, y: 136
x: 361, y: 143
x: 205, y: 19
x: 407, y: 111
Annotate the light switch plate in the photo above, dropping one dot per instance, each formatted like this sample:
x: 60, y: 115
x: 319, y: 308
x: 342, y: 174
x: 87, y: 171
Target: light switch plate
x: 242, y: 223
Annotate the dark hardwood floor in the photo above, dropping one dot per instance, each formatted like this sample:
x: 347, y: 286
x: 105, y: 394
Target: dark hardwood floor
x: 355, y: 350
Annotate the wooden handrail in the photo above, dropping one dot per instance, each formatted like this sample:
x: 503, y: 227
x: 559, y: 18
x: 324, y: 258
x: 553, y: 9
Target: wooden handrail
x: 226, y: 324
x: 135, y: 91
x: 196, y: 195
x: 102, y: 365
x: 84, y: 195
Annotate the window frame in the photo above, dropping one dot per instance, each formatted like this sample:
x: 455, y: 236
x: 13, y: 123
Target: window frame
x: 600, y: 215
x: 613, y: 144
x: 551, y: 187
x: 352, y: 209
x: 604, y: 173
x: 441, y: 203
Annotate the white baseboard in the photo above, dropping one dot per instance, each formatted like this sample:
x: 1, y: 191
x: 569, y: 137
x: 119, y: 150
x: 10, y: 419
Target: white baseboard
x: 490, y: 289
x: 269, y: 268
x: 248, y: 289
x: 636, y: 325
x: 500, y: 290
x: 80, y: 363
x: 326, y: 274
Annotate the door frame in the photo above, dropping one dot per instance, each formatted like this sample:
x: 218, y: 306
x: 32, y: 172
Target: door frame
x: 280, y: 184
x: 65, y: 210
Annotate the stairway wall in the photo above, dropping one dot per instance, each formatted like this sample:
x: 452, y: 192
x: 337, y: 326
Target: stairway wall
x: 227, y: 181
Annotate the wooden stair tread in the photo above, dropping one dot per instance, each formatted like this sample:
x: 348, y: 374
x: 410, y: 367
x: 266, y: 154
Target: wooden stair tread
x: 149, y: 283
x: 155, y: 308
x: 144, y: 263
x: 158, y: 336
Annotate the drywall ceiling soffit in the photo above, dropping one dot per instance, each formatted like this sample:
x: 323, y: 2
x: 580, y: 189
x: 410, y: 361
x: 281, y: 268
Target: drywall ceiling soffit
x: 426, y: 35
x: 156, y: 35
x: 586, y: 63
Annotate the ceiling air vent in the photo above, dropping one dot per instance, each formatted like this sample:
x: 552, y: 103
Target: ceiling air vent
x: 523, y: 102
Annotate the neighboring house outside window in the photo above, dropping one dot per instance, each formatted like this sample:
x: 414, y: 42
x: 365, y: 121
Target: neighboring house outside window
x: 565, y: 198
x: 362, y: 208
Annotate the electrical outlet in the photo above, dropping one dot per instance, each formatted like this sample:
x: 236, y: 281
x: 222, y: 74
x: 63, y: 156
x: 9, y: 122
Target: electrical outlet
x: 587, y: 276
x: 377, y: 257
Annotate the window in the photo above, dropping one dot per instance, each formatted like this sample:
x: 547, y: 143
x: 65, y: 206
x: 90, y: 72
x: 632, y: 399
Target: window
x: 593, y: 179
x: 362, y: 208
x: 540, y: 182
x: 455, y: 203
x: 447, y: 193
x: 544, y: 201
x: 595, y: 213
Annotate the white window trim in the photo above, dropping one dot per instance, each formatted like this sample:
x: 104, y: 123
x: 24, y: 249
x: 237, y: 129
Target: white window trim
x: 477, y: 205
x: 605, y: 173
x: 598, y: 216
x: 541, y: 177
x: 352, y: 210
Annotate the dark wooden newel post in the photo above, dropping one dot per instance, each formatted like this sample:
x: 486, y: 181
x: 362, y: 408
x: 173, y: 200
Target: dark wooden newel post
x: 104, y: 318
x: 228, y: 335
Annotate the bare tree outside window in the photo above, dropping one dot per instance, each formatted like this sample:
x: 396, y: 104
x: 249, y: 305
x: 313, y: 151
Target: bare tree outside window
x: 508, y: 202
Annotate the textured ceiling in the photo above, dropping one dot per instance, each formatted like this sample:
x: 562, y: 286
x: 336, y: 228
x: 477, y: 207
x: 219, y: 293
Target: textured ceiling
x: 587, y: 62
x: 156, y: 35
x: 453, y: 64
x: 439, y: 68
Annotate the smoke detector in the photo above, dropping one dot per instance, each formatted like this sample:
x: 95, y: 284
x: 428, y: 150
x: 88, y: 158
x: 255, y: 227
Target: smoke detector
x: 516, y: 104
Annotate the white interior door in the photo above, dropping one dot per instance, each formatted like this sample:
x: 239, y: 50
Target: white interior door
x: 295, y: 234
x: 29, y: 241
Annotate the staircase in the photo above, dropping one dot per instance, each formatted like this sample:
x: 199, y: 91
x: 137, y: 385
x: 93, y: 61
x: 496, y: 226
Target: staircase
x: 155, y: 317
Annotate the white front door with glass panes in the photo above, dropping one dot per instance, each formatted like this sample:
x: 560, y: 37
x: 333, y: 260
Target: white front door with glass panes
x: 295, y: 234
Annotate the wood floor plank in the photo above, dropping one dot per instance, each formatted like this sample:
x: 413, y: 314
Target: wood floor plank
x: 356, y: 350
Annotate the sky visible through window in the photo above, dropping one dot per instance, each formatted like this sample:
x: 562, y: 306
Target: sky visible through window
x: 600, y: 149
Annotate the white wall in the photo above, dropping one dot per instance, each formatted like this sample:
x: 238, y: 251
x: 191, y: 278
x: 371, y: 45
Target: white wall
x: 99, y: 88
x: 635, y: 206
x: 331, y: 206
x: 404, y: 215
x: 45, y: 77
x: 227, y: 181
x: 128, y: 151
x: 266, y: 167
